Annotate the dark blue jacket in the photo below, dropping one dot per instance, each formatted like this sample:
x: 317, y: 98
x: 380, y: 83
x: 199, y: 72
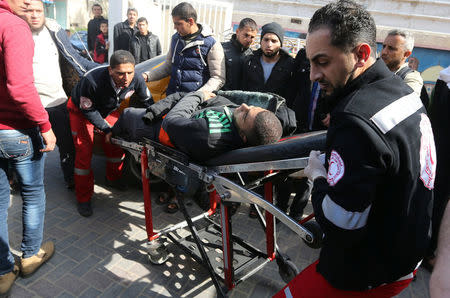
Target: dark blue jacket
x: 66, y: 50
x: 189, y: 62
x: 96, y: 98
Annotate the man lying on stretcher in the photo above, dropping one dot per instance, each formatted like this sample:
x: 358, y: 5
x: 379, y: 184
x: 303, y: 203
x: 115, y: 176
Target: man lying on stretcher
x: 204, y: 125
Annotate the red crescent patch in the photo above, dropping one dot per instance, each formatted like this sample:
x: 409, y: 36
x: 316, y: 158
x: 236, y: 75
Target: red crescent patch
x: 336, y: 168
x: 85, y: 103
x: 427, y: 153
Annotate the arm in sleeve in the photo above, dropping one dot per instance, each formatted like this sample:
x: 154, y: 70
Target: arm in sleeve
x: 134, y: 50
x: 88, y: 108
x: 161, y: 71
x: 91, y: 35
x: 216, y: 64
x: 158, y: 47
x: 415, y: 81
x: 188, y: 134
x: 143, y: 93
x: 116, y: 36
x: 18, y: 51
x: 87, y: 64
x: 99, y: 47
x: 342, y: 202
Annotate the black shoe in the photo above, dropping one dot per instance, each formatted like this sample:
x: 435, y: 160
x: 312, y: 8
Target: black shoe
x: 118, y: 184
x: 84, y: 209
x: 296, y: 217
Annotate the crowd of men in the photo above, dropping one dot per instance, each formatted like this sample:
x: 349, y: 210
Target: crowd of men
x: 373, y: 197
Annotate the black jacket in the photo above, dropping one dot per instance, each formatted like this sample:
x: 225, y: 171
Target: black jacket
x: 122, y: 35
x: 235, y: 55
x: 93, y: 30
x: 374, y: 207
x: 299, y: 96
x: 96, y: 98
x: 279, y: 79
x: 153, y: 47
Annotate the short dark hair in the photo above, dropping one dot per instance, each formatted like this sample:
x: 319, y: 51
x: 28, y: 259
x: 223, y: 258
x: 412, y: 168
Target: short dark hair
x: 142, y: 19
x: 96, y: 4
x: 103, y: 21
x: 247, y: 22
x: 184, y: 11
x: 267, y: 129
x: 349, y: 24
x: 132, y: 9
x: 121, y: 57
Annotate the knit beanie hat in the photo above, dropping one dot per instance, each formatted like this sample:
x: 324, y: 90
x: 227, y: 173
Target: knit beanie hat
x: 274, y: 28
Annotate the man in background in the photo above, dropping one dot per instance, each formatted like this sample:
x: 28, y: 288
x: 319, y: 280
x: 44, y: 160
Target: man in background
x: 195, y: 60
x: 94, y: 26
x: 51, y: 49
x: 235, y: 50
x: 397, y: 47
x: 144, y: 44
x: 124, y: 31
x: 270, y: 68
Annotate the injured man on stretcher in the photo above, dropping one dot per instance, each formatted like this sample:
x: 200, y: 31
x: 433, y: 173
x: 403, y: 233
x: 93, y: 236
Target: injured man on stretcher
x: 204, y: 125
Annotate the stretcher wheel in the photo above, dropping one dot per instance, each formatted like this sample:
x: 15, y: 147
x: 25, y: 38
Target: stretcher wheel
x: 133, y: 170
x: 317, y: 232
x: 287, y: 269
x: 157, y: 252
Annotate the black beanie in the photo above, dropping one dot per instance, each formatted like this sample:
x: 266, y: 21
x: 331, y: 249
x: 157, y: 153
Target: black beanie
x: 274, y: 28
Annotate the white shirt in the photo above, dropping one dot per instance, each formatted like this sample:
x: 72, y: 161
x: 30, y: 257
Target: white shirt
x: 47, y: 73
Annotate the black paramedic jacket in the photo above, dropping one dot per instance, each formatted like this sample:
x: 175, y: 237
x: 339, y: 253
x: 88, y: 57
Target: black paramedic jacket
x: 374, y: 207
x: 96, y: 98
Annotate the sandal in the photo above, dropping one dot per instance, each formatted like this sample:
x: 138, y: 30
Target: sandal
x: 172, y: 207
x: 162, y: 199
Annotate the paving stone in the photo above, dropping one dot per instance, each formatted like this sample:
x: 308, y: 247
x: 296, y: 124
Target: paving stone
x: 135, y: 289
x: 71, y: 283
x: 20, y: 291
x: 62, y: 269
x: 75, y: 253
x: 89, y: 263
x: 66, y: 295
x: 90, y: 293
x: 113, y: 291
x: 44, y: 288
x: 97, y: 280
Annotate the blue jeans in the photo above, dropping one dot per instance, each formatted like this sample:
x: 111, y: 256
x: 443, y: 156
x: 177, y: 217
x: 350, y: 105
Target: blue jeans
x: 19, y: 151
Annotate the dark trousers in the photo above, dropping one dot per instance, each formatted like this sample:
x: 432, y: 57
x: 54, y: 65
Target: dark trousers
x: 59, y: 118
x: 301, y: 187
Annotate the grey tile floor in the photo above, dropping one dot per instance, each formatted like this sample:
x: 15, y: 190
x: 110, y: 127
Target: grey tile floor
x: 105, y: 255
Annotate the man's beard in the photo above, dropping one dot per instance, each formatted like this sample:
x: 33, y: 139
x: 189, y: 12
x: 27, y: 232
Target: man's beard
x: 273, y: 54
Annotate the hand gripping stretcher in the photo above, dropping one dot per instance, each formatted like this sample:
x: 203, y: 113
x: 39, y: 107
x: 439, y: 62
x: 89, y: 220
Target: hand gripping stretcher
x: 271, y: 163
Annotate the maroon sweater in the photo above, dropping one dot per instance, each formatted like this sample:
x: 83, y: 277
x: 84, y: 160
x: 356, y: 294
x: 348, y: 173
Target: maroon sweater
x: 20, y: 105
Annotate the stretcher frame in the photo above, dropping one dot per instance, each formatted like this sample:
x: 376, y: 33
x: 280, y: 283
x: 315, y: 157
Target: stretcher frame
x: 175, y: 168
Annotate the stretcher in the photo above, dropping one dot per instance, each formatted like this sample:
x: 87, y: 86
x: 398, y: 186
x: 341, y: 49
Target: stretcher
x: 239, y: 259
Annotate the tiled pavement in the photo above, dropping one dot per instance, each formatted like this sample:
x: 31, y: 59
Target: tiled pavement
x: 105, y: 255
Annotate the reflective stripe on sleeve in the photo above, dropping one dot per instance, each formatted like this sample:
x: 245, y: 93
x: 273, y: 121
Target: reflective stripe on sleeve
x: 391, y: 115
x: 115, y: 159
x: 342, y: 218
x: 81, y: 172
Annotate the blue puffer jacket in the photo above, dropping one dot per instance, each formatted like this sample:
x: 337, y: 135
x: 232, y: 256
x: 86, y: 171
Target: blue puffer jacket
x: 66, y: 50
x: 190, y: 69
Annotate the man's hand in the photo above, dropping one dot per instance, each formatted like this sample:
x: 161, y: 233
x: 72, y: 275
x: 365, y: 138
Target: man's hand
x: 315, y: 168
x: 49, y: 141
x: 326, y: 120
x: 108, y: 137
x: 145, y: 76
x: 208, y: 95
